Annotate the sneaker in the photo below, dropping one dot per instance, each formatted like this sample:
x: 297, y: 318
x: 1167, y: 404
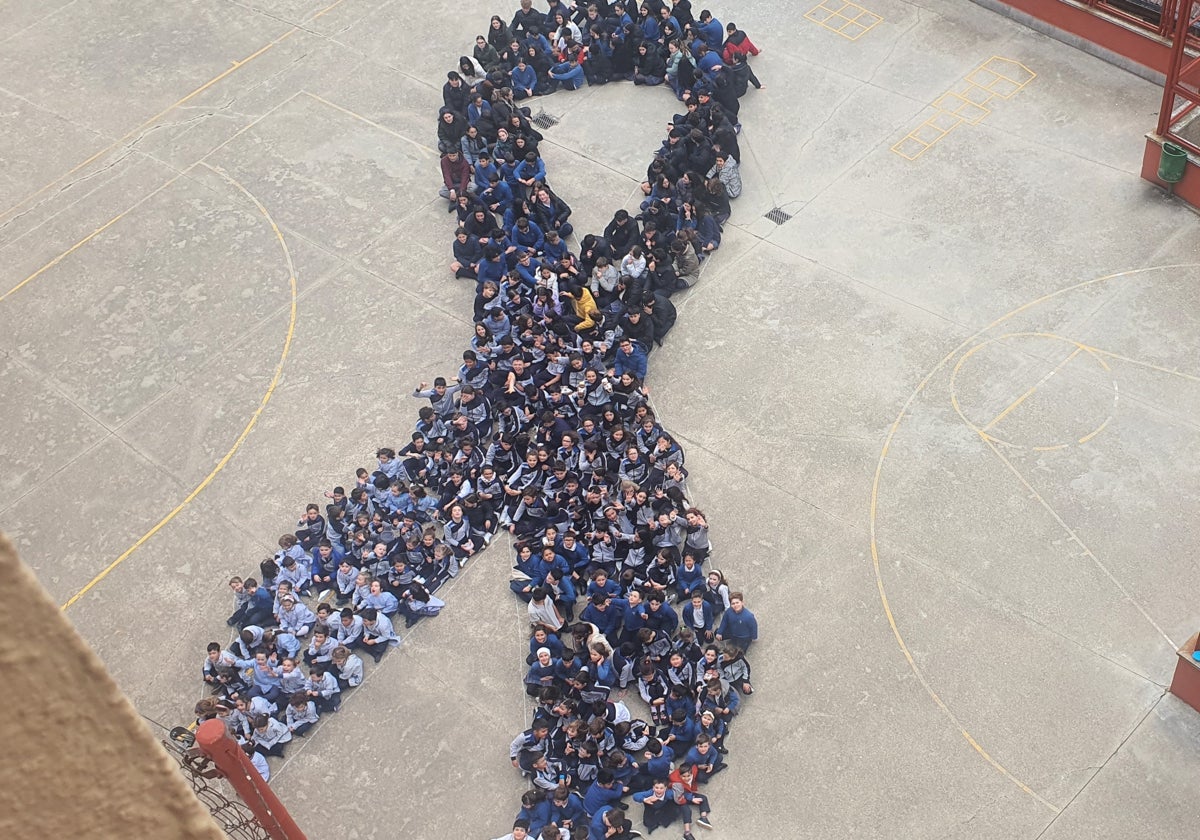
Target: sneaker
x: 487, y: 539
x: 703, y: 822
x: 687, y: 835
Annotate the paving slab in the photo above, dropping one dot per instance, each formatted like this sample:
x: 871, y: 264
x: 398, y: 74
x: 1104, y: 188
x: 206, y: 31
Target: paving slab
x: 812, y: 378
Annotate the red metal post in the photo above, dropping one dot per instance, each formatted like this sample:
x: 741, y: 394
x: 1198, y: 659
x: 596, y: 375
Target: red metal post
x: 227, y: 755
x: 1178, y: 42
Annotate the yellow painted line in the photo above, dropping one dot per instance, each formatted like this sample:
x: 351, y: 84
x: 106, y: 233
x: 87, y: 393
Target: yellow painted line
x: 266, y: 398
x: 849, y: 20
x: 1032, y: 389
x: 140, y: 202
x: 873, y: 519
x: 1027, y: 74
x: 1171, y: 371
x: 89, y: 237
x: 1091, y: 435
x: 236, y: 65
x: 1075, y: 537
x: 983, y: 431
x: 428, y: 149
x: 964, y: 104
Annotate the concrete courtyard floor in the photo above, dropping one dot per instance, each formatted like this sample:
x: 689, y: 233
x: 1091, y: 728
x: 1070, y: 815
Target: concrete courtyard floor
x: 943, y: 420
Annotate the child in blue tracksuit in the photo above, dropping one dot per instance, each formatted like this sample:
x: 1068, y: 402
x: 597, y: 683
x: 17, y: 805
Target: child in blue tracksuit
x: 568, y: 75
x: 535, y: 810
x: 567, y: 807
x: 527, y: 235
x: 706, y: 758
x: 524, y: 79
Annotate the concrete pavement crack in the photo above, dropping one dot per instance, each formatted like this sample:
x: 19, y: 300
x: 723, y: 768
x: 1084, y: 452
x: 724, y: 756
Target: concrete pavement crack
x: 1100, y: 769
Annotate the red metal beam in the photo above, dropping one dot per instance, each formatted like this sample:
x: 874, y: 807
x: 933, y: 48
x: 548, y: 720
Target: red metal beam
x: 227, y: 755
x: 1137, y: 40
x: 1183, y: 19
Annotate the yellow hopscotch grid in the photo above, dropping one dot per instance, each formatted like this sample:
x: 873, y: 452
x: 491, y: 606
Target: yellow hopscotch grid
x: 966, y: 103
x: 849, y: 20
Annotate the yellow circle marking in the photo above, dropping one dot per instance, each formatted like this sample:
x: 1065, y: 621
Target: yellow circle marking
x: 985, y: 430
x: 891, y: 435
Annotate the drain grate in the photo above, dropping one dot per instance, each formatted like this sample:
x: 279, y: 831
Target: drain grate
x: 544, y: 120
x: 777, y: 215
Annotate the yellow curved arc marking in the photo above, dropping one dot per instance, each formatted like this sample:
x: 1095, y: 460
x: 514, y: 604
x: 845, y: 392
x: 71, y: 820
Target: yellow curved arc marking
x: 887, y: 443
x: 984, y: 431
x: 241, y: 438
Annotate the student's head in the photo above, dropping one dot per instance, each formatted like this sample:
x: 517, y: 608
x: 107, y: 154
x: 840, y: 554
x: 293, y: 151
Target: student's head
x: 369, y: 616
x: 340, y: 654
x: 260, y: 722
x: 520, y: 827
x: 736, y: 601
x: 236, y: 584
x: 298, y: 700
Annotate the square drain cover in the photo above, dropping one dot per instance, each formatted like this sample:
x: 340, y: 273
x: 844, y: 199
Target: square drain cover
x: 544, y: 120
x: 777, y: 215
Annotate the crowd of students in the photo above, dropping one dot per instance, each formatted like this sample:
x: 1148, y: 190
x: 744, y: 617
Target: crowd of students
x: 546, y: 432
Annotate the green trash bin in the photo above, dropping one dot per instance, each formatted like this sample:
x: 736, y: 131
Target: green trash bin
x: 1172, y: 164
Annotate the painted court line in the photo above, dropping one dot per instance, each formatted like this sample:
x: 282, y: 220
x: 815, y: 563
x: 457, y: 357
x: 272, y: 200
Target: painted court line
x: 966, y: 103
x: 874, y: 505
x: 234, y: 67
x: 841, y: 17
x: 266, y: 398
x: 139, y: 202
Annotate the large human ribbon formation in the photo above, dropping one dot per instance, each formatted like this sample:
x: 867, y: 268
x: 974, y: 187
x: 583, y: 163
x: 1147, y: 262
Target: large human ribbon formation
x: 545, y: 432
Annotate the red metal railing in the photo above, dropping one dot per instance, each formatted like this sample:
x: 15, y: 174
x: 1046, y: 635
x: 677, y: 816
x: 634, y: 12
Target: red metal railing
x: 216, y: 745
x: 1181, y: 93
x: 1157, y: 16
